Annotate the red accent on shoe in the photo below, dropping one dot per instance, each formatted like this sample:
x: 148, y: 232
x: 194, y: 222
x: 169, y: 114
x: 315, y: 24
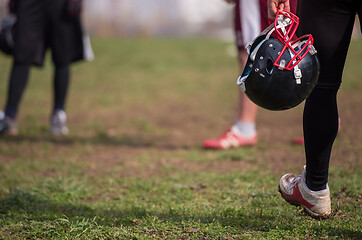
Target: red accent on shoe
x: 228, y: 140
x: 298, y: 141
x: 296, y: 198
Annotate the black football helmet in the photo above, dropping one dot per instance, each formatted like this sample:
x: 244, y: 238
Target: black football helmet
x: 281, y: 70
x: 7, y: 34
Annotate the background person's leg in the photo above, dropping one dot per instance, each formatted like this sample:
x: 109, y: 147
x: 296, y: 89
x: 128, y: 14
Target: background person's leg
x: 60, y: 86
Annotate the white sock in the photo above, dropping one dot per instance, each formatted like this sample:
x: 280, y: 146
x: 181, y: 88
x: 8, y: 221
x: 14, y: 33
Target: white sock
x: 245, y: 129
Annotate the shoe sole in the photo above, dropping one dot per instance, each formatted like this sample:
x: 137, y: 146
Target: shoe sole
x: 307, y: 210
x: 60, y: 134
x: 12, y: 133
x: 230, y: 147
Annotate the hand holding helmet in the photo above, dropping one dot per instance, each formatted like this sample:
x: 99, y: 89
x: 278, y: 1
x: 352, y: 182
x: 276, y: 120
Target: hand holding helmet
x: 274, y: 5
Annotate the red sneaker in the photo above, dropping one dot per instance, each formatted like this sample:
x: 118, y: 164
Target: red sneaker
x: 298, y: 141
x: 228, y: 140
x: 296, y: 192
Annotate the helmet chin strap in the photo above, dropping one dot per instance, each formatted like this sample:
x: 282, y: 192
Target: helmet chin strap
x: 267, y: 32
x: 283, y: 22
x: 297, y: 74
x: 241, y: 82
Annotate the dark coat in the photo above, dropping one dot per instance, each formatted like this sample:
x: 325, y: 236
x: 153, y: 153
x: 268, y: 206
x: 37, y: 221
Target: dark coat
x: 43, y: 24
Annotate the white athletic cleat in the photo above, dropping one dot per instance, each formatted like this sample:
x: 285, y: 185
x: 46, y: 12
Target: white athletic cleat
x: 295, y: 191
x: 8, y: 126
x: 58, y: 126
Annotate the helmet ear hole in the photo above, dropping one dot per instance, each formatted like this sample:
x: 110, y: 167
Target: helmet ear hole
x: 269, y: 66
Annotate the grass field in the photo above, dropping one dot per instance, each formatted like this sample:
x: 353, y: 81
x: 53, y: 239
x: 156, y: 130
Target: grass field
x: 133, y: 166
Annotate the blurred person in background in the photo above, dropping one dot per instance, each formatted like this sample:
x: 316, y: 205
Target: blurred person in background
x: 250, y: 19
x: 43, y: 24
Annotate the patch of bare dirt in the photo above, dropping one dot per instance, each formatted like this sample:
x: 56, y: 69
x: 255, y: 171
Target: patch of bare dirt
x: 187, y: 129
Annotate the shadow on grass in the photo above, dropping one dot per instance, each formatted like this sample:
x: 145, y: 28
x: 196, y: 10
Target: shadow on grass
x: 20, y: 206
x: 141, y: 141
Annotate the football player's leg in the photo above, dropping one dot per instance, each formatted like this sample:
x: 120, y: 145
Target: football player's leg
x: 331, y: 26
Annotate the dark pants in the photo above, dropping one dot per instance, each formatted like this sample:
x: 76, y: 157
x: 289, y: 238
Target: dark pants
x: 331, y: 23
